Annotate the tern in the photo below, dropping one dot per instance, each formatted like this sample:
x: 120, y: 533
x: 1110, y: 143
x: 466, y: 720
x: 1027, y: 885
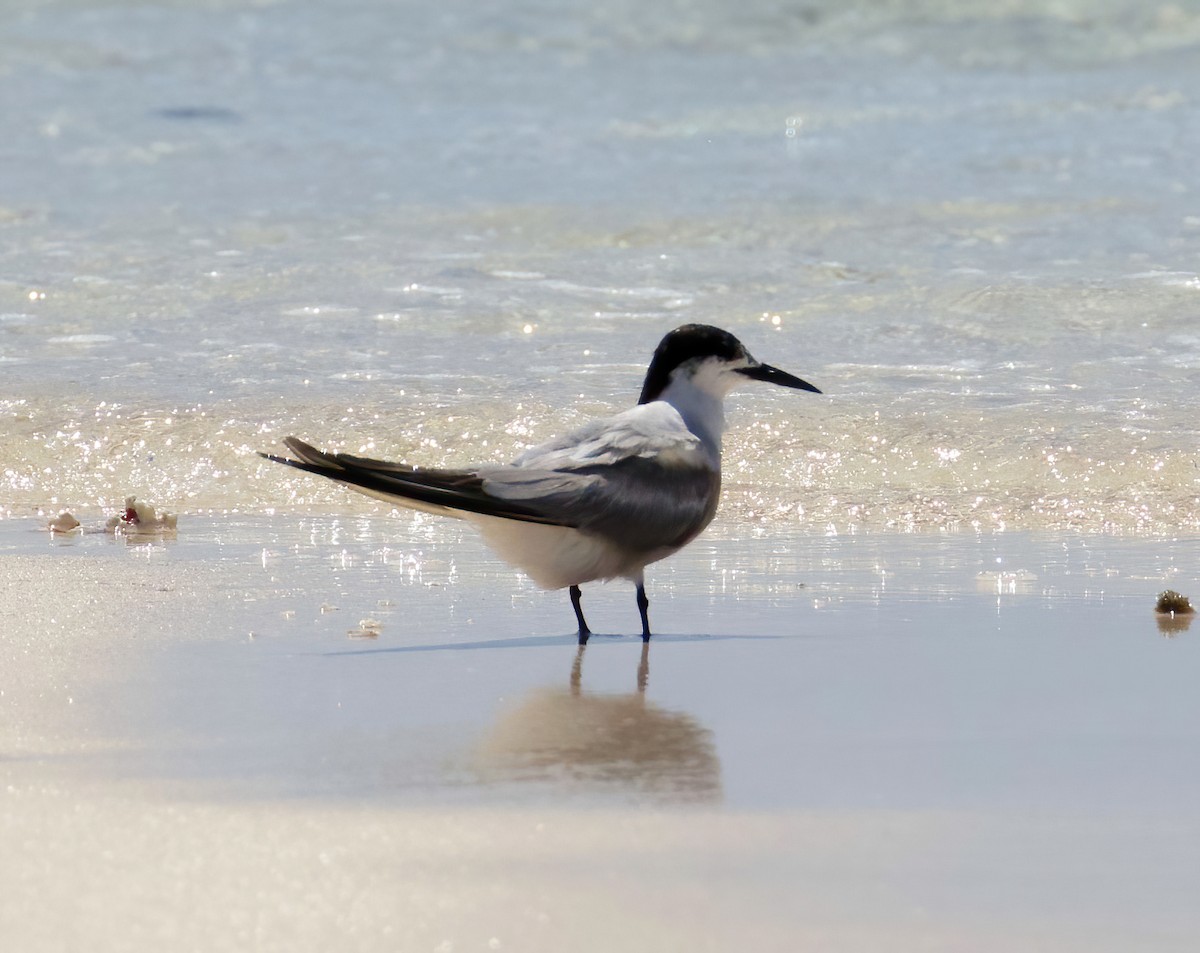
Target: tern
x: 603, y: 502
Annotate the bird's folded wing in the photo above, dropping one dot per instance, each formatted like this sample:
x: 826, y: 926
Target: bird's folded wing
x: 655, y: 483
x: 637, y: 501
x: 510, y: 493
x: 641, y: 478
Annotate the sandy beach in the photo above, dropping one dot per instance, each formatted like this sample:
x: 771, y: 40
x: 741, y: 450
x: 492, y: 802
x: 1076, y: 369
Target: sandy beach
x: 298, y: 732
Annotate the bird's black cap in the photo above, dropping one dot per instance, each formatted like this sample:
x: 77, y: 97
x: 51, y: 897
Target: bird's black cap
x: 690, y: 342
x: 699, y: 341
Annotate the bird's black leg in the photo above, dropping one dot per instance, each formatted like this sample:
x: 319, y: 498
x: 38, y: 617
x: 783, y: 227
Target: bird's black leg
x: 643, y: 605
x: 584, y: 631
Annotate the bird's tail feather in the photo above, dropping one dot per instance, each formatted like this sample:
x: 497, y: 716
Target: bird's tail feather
x: 451, y: 492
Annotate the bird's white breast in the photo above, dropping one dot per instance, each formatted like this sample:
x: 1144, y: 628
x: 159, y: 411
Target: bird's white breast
x: 558, y: 556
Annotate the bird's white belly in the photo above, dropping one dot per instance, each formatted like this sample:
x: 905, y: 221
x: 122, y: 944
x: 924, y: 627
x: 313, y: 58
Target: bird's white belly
x: 559, y: 556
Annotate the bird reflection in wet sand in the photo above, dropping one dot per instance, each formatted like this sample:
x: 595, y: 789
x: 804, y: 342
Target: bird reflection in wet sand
x: 603, y: 743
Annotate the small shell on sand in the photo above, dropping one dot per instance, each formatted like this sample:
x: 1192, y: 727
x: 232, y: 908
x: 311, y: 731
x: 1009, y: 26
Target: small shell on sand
x: 141, y: 518
x: 1173, y: 611
x: 367, y: 629
x: 64, y: 522
x: 1171, y: 602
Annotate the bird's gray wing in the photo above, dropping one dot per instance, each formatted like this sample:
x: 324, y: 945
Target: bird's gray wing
x: 647, y: 481
x: 462, y: 490
x: 638, y: 502
x: 640, y: 478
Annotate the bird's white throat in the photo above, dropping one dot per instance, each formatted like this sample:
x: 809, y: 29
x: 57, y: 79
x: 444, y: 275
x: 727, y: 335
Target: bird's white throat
x: 700, y: 400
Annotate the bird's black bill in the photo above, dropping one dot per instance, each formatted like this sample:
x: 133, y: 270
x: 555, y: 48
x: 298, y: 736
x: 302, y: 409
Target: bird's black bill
x: 773, y: 375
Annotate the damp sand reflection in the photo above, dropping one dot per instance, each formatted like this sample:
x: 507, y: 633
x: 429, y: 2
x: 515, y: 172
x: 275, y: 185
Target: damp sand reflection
x: 594, y: 742
x: 1172, y: 624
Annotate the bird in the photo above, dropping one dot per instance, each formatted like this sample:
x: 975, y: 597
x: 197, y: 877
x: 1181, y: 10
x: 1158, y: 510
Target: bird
x: 606, y: 500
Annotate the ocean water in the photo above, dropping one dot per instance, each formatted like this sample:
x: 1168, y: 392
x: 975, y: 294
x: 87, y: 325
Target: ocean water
x: 444, y: 233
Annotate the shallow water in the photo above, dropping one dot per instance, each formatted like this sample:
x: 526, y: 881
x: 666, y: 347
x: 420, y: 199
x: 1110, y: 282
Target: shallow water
x: 446, y: 235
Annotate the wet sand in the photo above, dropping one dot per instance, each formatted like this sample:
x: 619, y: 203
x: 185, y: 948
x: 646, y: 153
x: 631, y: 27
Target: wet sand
x: 304, y: 732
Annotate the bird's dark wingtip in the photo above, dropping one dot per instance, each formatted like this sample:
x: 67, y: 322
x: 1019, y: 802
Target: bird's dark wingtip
x: 307, y: 457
